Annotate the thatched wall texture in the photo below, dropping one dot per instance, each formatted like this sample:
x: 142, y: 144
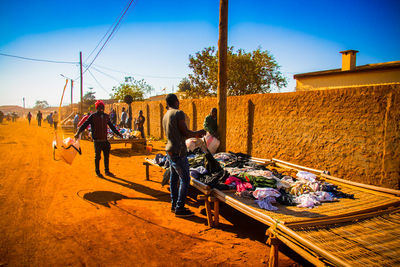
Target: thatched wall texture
x: 352, y: 132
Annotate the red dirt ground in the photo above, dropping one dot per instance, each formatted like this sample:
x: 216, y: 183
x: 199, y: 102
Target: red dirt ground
x: 55, y: 214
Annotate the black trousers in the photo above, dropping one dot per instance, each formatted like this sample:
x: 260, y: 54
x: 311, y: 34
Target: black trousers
x: 98, y: 147
x: 141, y: 130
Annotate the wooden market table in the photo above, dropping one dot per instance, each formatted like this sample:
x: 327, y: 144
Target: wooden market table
x: 361, y: 231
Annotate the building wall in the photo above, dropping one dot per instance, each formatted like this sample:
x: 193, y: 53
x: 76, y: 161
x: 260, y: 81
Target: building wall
x: 354, y: 134
x: 346, y: 79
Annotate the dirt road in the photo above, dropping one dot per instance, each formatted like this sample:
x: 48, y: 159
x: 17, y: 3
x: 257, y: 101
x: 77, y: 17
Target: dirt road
x: 54, y: 214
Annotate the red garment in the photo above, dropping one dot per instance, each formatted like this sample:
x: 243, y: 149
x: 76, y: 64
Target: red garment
x: 83, y: 120
x: 240, y: 186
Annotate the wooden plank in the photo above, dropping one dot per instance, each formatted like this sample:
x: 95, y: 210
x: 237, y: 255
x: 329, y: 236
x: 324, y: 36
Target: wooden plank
x: 371, y: 187
x: 313, y: 259
x: 209, y: 213
x: 127, y: 141
x: 216, y: 213
x: 329, y: 256
x: 296, y: 166
x: 259, y: 216
x: 363, y: 214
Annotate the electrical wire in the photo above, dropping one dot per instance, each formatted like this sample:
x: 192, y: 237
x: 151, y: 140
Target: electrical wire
x: 98, y: 82
x: 109, y: 29
x: 40, y: 60
x: 109, y: 36
x: 112, y: 77
x: 140, y: 75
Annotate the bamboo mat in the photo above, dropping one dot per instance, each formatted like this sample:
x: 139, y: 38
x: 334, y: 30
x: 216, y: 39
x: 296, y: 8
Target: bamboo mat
x: 289, y: 214
x: 369, y: 242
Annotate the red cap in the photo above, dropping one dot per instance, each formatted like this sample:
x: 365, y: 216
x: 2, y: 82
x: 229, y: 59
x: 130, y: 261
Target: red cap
x: 99, y: 103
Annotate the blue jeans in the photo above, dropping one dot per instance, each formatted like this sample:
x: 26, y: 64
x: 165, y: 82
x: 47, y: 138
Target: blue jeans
x: 179, y: 167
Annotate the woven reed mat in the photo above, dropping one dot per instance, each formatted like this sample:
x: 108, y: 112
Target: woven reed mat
x: 369, y: 242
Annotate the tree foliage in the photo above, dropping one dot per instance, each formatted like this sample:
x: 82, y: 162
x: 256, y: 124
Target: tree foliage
x: 136, y: 88
x: 41, y: 104
x: 184, y: 85
x: 248, y: 73
x: 89, y: 99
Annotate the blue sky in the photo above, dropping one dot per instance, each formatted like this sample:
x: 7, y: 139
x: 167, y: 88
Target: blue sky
x: 155, y: 39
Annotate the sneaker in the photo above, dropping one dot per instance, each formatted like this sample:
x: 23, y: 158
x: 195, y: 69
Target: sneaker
x: 108, y: 173
x: 183, y: 213
x: 172, y: 210
x: 98, y: 174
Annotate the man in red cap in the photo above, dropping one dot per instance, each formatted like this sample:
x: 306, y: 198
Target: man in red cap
x: 98, y: 122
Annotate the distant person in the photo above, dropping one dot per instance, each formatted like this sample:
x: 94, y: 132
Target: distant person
x: 29, y: 116
x: 39, y: 117
x: 50, y: 119
x: 98, y: 122
x: 124, y: 117
x: 140, y: 123
x: 14, y: 117
x: 82, y: 121
x: 177, y: 132
x: 1, y: 116
x: 76, y: 121
x: 113, y: 117
x: 55, y: 120
x: 210, y: 122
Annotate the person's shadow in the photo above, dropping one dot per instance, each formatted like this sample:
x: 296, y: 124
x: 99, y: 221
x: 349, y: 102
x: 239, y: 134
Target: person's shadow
x: 104, y: 198
x: 157, y: 194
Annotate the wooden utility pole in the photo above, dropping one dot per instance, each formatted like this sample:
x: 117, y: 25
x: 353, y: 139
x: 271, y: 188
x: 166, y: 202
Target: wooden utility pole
x: 81, y: 106
x: 72, y: 86
x: 222, y: 71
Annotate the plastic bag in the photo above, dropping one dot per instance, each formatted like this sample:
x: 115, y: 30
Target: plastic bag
x: 212, y: 143
x: 193, y: 143
x: 66, y: 149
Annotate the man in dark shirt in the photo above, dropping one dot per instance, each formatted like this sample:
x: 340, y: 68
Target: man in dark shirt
x: 140, y: 123
x: 210, y: 122
x: 176, y: 131
x: 98, y: 122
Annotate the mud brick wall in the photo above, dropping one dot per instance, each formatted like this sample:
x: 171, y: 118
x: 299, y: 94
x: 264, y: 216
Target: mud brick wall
x: 352, y: 132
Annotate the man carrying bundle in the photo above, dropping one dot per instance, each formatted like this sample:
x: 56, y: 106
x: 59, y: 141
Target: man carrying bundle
x: 98, y: 122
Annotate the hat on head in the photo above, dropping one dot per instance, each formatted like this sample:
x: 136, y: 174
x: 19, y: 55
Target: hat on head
x: 99, y: 103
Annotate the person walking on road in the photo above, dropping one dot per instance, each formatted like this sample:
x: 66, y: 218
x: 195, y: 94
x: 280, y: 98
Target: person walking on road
x: 177, y: 132
x: 76, y: 121
x: 29, y: 116
x: 39, y: 117
x: 98, y: 122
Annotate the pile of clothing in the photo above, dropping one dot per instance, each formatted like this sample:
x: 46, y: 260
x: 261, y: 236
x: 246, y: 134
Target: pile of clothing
x: 126, y: 133
x: 236, y: 171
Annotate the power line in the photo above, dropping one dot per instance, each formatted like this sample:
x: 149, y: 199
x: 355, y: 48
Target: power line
x: 140, y: 75
x: 112, y: 77
x: 109, y: 29
x: 98, y: 82
x: 40, y: 60
x: 109, y: 36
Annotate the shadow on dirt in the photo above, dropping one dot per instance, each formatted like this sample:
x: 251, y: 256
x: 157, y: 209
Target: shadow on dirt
x: 127, y: 152
x: 157, y: 194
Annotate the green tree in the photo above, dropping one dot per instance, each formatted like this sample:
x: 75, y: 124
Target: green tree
x: 184, y: 85
x: 136, y: 88
x: 89, y: 99
x: 248, y: 73
x: 41, y: 104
